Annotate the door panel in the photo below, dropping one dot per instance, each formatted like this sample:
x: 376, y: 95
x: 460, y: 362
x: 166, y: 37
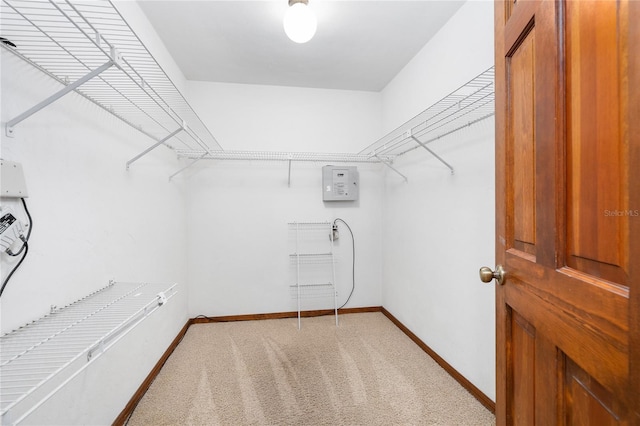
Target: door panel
x: 522, y: 96
x: 523, y: 340
x: 596, y: 155
x: 588, y: 402
x: 598, y: 354
x: 566, y: 228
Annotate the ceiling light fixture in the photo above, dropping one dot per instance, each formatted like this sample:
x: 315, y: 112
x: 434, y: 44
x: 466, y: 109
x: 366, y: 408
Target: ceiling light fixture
x: 300, y: 22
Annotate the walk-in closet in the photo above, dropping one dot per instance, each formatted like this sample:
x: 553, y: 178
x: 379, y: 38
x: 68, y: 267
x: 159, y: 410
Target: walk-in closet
x: 183, y: 185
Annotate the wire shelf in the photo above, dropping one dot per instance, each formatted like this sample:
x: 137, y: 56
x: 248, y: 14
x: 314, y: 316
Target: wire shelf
x: 68, y: 40
x: 312, y: 258
x: 88, y: 47
x: 319, y: 290
x: 469, y: 104
x: 311, y: 241
x: 39, y: 358
x: 283, y: 156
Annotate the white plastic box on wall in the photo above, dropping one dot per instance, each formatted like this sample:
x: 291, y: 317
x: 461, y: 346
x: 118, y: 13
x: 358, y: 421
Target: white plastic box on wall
x: 12, y: 178
x: 340, y: 183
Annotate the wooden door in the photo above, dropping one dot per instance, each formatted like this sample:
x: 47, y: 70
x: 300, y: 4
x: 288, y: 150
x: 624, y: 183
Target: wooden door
x: 568, y: 211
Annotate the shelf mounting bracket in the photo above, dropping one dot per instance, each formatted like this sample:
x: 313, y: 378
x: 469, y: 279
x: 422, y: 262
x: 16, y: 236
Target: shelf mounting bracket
x: 187, y: 166
x: 386, y: 163
x: 433, y: 153
x: 289, y: 179
x: 9, y: 129
x: 155, y: 145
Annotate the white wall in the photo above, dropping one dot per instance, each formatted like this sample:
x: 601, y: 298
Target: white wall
x: 461, y: 50
x: 238, y: 212
x: 438, y: 229
x: 93, y: 221
x: 277, y: 118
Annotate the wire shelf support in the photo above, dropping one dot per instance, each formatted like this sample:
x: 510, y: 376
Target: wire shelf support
x: 51, y: 99
x: 70, y: 40
x: 87, y: 47
x: 469, y: 104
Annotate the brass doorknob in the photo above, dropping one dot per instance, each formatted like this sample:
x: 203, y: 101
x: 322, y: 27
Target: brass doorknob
x: 486, y: 274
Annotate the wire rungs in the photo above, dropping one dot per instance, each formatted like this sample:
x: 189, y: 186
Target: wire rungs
x: 66, y: 39
x: 43, y: 355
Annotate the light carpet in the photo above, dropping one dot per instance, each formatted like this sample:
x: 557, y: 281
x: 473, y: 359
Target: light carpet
x: 363, y: 372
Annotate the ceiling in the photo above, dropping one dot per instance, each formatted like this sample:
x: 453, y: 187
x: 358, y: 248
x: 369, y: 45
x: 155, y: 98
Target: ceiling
x: 359, y: 44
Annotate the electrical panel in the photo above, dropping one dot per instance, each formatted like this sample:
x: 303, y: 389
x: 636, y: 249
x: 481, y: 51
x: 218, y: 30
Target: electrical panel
x: 340, y: 183
x: 12, y: 178
x: 11, y: 229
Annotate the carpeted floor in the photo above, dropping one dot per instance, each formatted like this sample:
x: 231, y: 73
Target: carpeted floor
x: 364, y: 372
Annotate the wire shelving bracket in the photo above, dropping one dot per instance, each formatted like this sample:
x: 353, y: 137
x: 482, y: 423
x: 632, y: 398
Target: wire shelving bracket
x: 88, y: 42
x: 469, y: 104
x: 40, y: 358
x: 115, y: 60
x: 194, y: 161
x: 155, y: 145
x: 388, y: 164
x: 433, y: 153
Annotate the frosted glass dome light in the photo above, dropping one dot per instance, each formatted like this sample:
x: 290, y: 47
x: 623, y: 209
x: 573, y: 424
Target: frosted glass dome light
x: 300, y: 22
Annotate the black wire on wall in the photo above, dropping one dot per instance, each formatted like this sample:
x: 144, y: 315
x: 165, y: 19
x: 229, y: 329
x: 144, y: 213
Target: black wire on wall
x: 353, y: 263
x: 24, y: 248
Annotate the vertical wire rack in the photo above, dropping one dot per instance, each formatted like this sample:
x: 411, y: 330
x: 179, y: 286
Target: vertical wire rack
x: 314, y: 262
x: 41, y: 357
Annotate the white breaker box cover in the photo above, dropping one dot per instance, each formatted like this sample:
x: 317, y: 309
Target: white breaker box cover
x: 340, y: 183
